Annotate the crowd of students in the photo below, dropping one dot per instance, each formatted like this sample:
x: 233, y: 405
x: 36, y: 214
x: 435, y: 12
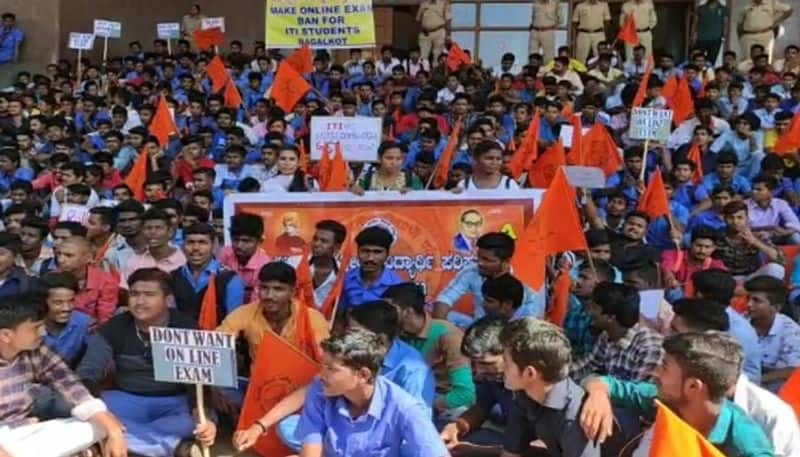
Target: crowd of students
x: 401, y: 373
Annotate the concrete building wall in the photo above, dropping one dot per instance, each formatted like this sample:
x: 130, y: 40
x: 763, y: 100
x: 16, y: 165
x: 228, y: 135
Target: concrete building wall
x: 40, y: 47
x: 791, y: 29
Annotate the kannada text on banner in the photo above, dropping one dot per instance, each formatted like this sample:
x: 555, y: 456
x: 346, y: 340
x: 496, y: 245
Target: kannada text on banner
x: 331, y: 24
x: 434, y: 233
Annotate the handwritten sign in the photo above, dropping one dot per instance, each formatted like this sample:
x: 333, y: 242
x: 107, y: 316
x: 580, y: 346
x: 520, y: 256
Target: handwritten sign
x: 650, y: 303
x: 74, y: 213
x: 211, y: 22
x: 189, y: 356
x: 82, y: 41
x: 360, y: 137
x: 168, y: 30
x: 332, y: 24
x: 107, y: 29
x: 650, y: 124
x: 586, y: 177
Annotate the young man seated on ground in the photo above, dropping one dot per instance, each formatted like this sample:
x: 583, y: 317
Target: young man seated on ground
x: 157, y: 416
x: 13, y: 279
x: 244, y: 255
x: 439, y: 342
x: 98, y: 291
x: 380, y: 417
x: 578, y: 322
x: 771, y: 217
x: 24, y: 362
x: 372, y: 277
x: 744, y: 254
x: 677, y: 267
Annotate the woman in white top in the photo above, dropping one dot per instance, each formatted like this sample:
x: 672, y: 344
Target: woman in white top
x: 487, y: 159
x: 290, y: 177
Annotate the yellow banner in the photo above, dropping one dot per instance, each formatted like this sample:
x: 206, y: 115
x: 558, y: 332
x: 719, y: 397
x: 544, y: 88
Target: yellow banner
x: 331, y: 24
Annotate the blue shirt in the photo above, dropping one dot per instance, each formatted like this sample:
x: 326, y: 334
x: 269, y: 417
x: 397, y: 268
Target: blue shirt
x: 731, y: 141
x: 658, y: 230
x: 739, y: 183
x: 708, y: 218
x: 393, y: 420
x: 356, y: 293
x: 69, y: 343
x: 741, y: 330
x: 9, y: 40
x: 469, y: 281
x: 405, y: 366
x: 234, y: 291
x: 21, y: 174
x: 689, y: 194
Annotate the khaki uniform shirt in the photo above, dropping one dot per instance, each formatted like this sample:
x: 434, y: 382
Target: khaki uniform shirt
x: 644, y: 14
x: 546, y: 15
x: 757, y: 17
x: 433, y: 14
x: 591, y: 16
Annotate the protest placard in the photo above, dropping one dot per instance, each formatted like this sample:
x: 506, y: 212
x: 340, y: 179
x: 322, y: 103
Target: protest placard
x: 360, y: 137
x: 81, y: 41
x: 333, y: 24
x: 585, y: 177
x: 193, y: 356
x: 107, y: 29
x: 650, y: 303
x: 650, y: 124
x: 211, y: 22
x: 168, y: 30
x: 74, y: 213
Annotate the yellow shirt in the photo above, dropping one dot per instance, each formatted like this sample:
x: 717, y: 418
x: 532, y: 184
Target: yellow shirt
x: 249, y: 321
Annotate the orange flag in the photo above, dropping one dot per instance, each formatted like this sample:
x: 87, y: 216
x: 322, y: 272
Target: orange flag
x: 599, y: 150
x: 304, y: 289
x: 138, y: 175
x: 337, y: 178
x: 654, y: 201
x: 280, y: 368
x: 288, y: 87
x: 233, y: 99
x: 670, y: 88
x: 555, y: 227
x: 456, y: 57
x: 627, y: 33
x: 303, y: 157
x: 789, y: 142
x: 566, y: 110
x: 328, y: 308
x: 790, y: 392
x: 443, y: 165
x: 301, y: 60
x: 672, y: 436
x: 512, y: 144
x: 218, y: 74
x: 527, y: 151
x: 207, y: 39
x: 324, y: 166
x: 208, y: 319
x: 304, y: 333
x: 641, y: 92
x: 162, y: 125
x: 544, y: 169
x: 695, y: 156
x: 559, y: 299
x: 576, y: 150
x: 682, y: 103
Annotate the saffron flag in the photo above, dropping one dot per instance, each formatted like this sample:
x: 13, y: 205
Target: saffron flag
x: 304, y: 288
x: 443, y: 165
x: 654, y: 201
x: 682, y: 103
x: 456, y: 57
x: 208, y: 319
x: 303, y: 159
x: 162, y: 125
x: 207, y: 39
x: 670, y: 88
x: 544, y: 169
x: 641, y: 91
x: 217, y: 73
x: 672, y: 437
x: 559, y: 299
x: 337, y: 178
x: 138, y: 175
x: 233, y: 99
x: 789, y: 142
x: 575, y: 156
x: 328, y: 308
x: 301, y: 60
x: 627, y: 33
x: 555, y: 227
x: 695, y: 156
x: 599, y: 150
x: 279, y: 369
x: 790, y: 392
x: 324, y: 166
x: 288, y: 87
x: 526, y: 152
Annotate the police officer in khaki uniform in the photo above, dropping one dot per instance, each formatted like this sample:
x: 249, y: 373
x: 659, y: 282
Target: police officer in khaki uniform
x: 757, y: 23
x: 546, y: 18
x: 644, y: 15
x: 434, y: 18
x: 590, y: 17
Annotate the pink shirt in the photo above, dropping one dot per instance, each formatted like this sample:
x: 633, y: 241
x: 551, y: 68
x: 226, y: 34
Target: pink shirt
x: 684, y: 269
x: 99, y: 295
x: 248, y: 272
x: 145, y: 260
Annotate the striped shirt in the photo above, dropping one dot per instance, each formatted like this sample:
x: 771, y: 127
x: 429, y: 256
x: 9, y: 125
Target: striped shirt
x: 633, y: 357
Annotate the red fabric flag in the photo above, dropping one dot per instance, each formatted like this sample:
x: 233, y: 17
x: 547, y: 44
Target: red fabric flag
x: 672, y: 437
x: 789, y: 142
x: 443, y: 165
x: 279, y: 369
x: 324, y: 166
x: 790, y: 392
x: 654, y: 201
x: 555, y: 227
x: 138, y: 175
x: 208, y: 319
x: 566, y: 110
x: 682, y: 103
x: 512, y: 144
x: 337, y: 178
x: 304, y: 288
x: 544, y: 169
x: 304, y: 333
x: 303, y: 160
x: 328, y: 308
x: 207, y: 39
x: 456, y: 57
x: 575, y: 156
x: 627, y: 33
x: 670, y: 88
x: 559, y: 299
x: 695, y: 156
x: 233, y: 99
x: 217, y: 73
x: 288, y: 87
x: 302, y: 60
x: 526, y: 153
x: 599, y: 150
x: 641, y: 92
x: 162, y: 125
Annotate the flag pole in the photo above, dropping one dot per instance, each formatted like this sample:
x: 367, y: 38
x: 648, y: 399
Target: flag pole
x: 201, y: 414
x: 169, y: 46
x: 644, y: 159
x: 105, y: 49
x: 78, y: 85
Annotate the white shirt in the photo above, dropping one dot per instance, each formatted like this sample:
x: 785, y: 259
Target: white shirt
x: 385, y: 69
x: 505, y: 183
x: 774, y: 415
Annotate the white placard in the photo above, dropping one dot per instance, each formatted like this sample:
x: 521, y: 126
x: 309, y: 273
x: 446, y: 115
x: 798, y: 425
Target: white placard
x: 360, y: 137
x: 566, y: 135
x: 586, y: 177
x: 650, y: 124
x: 168, y: 30
x: 650, y: 303
x: 74, y: 213
x: 211, y: 22
x: 83, y: 41
x: 107, y: 29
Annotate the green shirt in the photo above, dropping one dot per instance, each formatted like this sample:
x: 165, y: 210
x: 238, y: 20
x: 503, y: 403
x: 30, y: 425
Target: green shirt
x: 711, y: 21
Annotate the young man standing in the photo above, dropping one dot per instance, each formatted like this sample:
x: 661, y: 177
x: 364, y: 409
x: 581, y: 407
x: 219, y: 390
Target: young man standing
x: 97, y: 289
x: 370, y: 280
x: 245, y: 255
